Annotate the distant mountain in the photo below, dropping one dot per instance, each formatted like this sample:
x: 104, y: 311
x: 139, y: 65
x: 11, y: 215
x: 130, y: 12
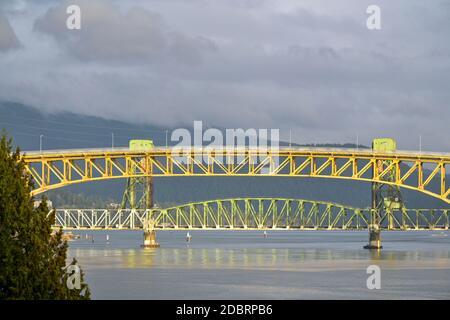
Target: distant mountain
x: 69, y: 130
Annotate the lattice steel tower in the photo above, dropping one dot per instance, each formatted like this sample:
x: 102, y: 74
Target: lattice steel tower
x: 385, y: 197
x: 139, y: 190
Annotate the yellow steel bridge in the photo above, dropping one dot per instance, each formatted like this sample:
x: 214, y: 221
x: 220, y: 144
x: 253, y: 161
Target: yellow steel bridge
x: 420, y: 171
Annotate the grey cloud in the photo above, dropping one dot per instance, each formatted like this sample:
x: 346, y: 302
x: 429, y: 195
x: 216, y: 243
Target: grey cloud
x: 308, y: 19
x: 323, y: 52
x: 108, y: 35
x: 327, y: 77
x: 13, y: 6
x: 8, y: 38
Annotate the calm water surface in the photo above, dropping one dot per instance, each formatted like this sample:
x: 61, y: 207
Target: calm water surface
x: 245, y: 265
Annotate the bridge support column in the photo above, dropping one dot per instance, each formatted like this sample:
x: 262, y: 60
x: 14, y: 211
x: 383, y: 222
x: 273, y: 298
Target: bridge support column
x: 374, y: 226
x: 377, y: 205
x: 150, y: 239
x: 149, y: 234
x: 374, y: 237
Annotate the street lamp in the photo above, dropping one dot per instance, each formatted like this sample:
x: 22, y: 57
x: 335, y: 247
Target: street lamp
x: 420, y: 144
x: 40, y: 142
x: 167, y: 131
x: 357, y: 141
x: 290, y: 138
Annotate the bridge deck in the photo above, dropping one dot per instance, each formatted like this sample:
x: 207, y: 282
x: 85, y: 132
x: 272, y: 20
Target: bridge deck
x: 283, y: 150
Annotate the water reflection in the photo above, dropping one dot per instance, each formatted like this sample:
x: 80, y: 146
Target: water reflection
x: 258, y: 258
x: 291, y: 265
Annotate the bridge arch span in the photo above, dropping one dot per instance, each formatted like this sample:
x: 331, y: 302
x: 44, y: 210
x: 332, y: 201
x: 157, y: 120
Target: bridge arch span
x: 253, y: 214
x: 425, y: 173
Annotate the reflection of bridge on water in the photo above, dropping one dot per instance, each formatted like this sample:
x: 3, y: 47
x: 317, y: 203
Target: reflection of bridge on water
x: 254, y: 213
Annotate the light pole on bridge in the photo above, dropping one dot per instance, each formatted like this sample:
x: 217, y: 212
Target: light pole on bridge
x: 357, y: 141
x: 167, y: 132
x: 40, y: 142
x: 290, y: 138
x: 420, y: 144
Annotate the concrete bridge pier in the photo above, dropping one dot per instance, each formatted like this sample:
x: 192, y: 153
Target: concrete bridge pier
x: 374, y: 237
x: 149, y: 235
x: 150, y: 239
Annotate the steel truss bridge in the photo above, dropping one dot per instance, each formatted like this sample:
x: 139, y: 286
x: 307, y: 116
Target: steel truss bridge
x: 55, y: 169
x: 253, y: 213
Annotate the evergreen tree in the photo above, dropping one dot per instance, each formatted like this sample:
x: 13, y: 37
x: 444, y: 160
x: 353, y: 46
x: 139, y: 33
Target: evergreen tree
x: 32, y: 259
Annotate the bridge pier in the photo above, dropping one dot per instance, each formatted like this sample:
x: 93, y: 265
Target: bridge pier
x: 150, y: 239
x: 374, y: 238
x: 149, y: 234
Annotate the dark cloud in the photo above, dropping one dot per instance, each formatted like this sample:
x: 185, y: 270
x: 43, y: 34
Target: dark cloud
x: 135, y: 36
x: 13, y: 6
x: 8, y: 38
x: 312, y: 66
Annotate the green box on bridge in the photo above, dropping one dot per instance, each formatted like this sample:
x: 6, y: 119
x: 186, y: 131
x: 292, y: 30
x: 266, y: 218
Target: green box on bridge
x: 384, y: 145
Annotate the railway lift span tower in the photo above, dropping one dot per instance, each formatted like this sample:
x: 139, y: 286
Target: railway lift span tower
x: 385, y: 197
x: 139, y: 190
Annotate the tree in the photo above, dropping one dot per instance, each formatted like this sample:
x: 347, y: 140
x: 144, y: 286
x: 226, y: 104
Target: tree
x: 32, y: 258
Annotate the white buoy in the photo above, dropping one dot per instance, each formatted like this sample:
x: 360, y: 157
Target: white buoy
x: 188, y: 237
x: 107, y: 238
x: 265, y: 234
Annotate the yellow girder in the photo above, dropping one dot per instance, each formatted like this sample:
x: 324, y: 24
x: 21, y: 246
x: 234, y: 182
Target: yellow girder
x: 51, y: 170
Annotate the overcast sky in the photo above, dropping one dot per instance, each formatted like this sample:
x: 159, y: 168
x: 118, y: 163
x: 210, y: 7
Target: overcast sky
x: 311, y: 66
